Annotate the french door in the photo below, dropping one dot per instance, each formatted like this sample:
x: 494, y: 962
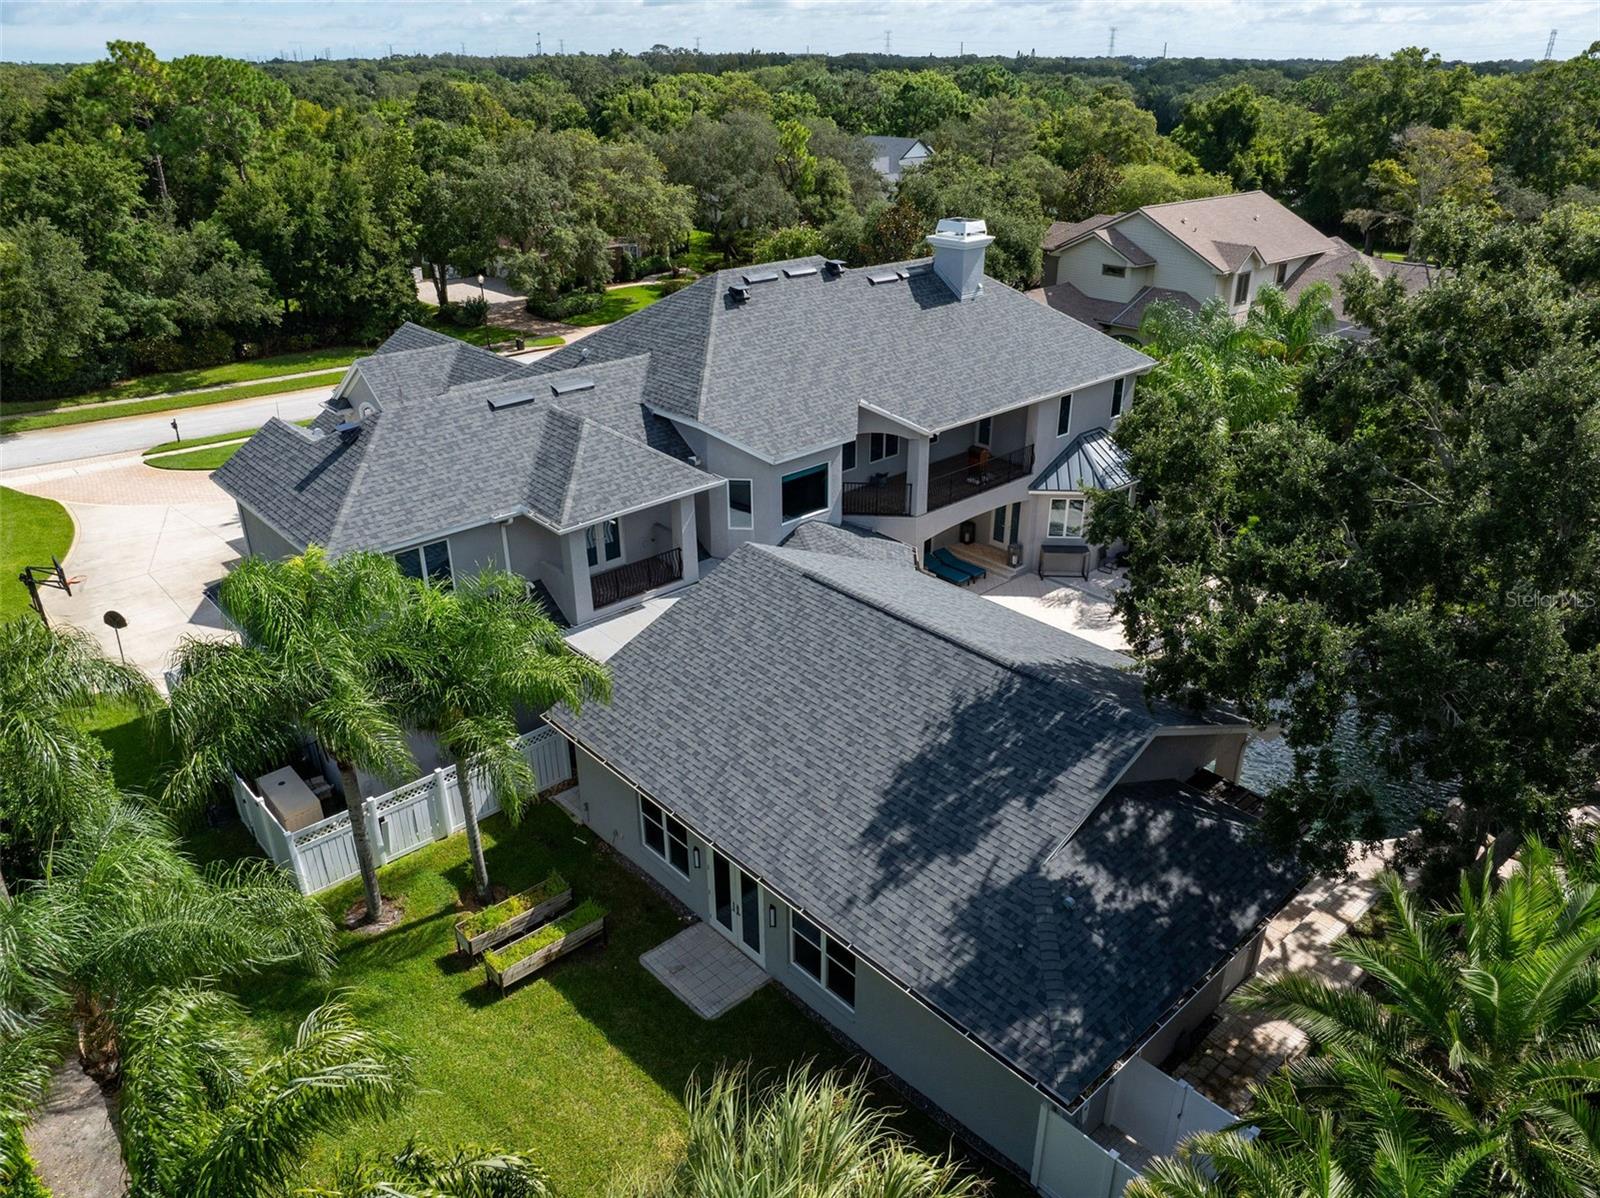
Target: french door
x: 736, y: 904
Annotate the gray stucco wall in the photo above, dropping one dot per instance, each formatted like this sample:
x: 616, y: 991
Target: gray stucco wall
x: 1176, y: 755
x: 896, y: 1030
x: 262, y: 540
x: 766, y: 492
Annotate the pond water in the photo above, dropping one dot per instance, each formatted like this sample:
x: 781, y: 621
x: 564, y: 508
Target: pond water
x: 1270, y: 763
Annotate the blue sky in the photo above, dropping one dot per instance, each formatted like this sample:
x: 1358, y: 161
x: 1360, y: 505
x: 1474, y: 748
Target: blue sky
x: 77, y: 30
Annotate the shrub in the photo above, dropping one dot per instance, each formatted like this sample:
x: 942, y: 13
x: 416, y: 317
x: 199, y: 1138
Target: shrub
x: 470, y: 313
x: 489, y: 918
x: 576, y: 303
x: 668, y: 286
x: 654, y: 264
x: 212, y: 347
x: 585, y: 912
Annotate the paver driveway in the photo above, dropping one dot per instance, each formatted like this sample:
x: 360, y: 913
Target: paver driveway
x: 147, y: 543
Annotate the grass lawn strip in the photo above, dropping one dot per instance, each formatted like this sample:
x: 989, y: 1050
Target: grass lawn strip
x: 32, y: 530
x: 90, y: 415
x: 208, y: 458
x: 490, y: 918
x: 188, y: 443
x: 620, y: 302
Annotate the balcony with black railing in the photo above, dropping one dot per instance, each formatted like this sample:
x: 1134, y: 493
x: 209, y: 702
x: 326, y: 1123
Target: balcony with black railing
x: 974, y: 472
x: 884, y: 497
x: 635, y: 578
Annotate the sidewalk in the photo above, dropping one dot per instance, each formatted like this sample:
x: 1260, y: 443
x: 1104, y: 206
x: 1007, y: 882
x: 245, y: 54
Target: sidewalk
x: 101, y: 404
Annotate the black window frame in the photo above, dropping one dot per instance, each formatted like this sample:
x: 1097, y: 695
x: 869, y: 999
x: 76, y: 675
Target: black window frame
x: 1241, y: 288
x: 1118, y: 389
x: 882, y: 446
x: 1064, y: 415
x: 847, y: 460
x: 823, y: 959
x: 811, y: 504
x: 984, y: 434
x: 1282, y: 274
x: 669, y: 831
x: 1112, y: 270
x: 435, y: 573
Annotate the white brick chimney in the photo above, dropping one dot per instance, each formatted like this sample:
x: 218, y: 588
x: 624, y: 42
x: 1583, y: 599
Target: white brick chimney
x: 958, y: 246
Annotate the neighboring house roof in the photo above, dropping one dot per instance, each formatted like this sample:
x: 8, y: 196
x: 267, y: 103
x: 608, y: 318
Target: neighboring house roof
x: 1111, y: 314
x: 1091, y: 459
x: 1060, y: 233
x: 427, y: 463
x: 889, y: 153
x: 917, y: 809
x: 1224, y: 230
x: 1344, y: 257
x: 786, y: 372
x: 849, y: 540
x: 1124, y: 245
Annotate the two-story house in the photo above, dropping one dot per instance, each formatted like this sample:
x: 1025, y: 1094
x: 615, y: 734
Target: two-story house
x: 893, y: 156
x: 921, y: 399
x: 1107, y: 270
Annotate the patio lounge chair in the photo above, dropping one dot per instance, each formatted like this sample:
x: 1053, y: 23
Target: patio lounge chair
x: 939, y: 570
x: 960, y: 565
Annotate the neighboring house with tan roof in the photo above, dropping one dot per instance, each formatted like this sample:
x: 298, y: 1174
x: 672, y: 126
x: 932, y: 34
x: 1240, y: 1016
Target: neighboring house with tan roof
x: 1107, y: 270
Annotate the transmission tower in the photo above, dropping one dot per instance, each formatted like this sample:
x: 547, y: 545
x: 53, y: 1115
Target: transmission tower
x: 888, y: 35
x: 1550, y: 46
x: 538, y: 44
x: 1111, y: 50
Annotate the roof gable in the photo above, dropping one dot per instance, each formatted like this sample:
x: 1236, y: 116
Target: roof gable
x: 1223, y: 230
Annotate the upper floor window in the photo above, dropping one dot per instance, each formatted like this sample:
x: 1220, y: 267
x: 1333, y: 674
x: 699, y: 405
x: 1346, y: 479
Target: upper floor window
x: 882, y: 445
x: 849, y: 462
x: 430, y: 562
x: 985, y: 431
x: 823, y: 959
x: 741, y: 514
x: 1241, y: 289
x: 1116, y: 396
x: 1115, y: 272
x: 805, y: 492
x: 603, y: 539
x: 1283, y: 273
x: 664, y: 836
x: 1064, y: 416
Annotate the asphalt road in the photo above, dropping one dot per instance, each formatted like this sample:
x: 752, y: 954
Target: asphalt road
x: 45, y: 446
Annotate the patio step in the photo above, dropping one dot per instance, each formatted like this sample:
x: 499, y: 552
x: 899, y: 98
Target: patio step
x: 991, y: 559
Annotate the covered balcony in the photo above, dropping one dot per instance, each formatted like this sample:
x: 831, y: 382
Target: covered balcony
x: 951, y: 479
x: 635, y: 578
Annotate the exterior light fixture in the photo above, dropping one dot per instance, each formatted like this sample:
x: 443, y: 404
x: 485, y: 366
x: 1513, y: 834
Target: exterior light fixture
x: 696, y: 851
x: 772, y: 915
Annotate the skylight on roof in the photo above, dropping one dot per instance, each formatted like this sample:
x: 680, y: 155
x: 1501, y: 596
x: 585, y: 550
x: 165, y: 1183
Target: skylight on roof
x: 799, y: 272
x: 567, y: 386
x: 766, y: 276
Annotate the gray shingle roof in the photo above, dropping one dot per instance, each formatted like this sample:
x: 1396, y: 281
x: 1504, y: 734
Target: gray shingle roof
x: 414, y: 336
x: 887, y: 153
x: 1091, y: 459
x: 786, y: 372
x: 849, y: 540
x: 429, y: 463
x: 901, y: 761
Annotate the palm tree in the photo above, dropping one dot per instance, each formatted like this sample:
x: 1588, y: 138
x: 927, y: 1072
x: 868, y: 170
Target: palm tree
x: 1482, y: 1023
x: 416, y: 1172
x: 470, y: 659
x: 49, y: 677
x: 313, y: 632
x: 1294, y: 331
x: 203, y: 1117
x: 806, y: 1137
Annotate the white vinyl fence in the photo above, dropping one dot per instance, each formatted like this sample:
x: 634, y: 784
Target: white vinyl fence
x: 418, y: 813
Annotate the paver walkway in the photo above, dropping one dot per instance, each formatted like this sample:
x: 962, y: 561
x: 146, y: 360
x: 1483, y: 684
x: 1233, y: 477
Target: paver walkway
x: 705, y: 969
x: 73, y: 1141
x: 1245, y: 1046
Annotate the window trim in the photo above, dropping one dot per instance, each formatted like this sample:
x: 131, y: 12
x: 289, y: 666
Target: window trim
x: 882, y: 446
x: 1064, y: 415
x: 1112, y: 271
x: 983, y: 434
x: 597, y: 547
x: 421, y: 550
x: 1282, y: 274
x: 750, y: 493
x: 1066, y: 503
x: 823, y: 468
x: 825, y: 962
x: 1118, y: 391
x: 1241, y: 283
x: 667, y: 838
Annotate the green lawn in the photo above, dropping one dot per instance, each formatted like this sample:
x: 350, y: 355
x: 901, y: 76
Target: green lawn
x: 620, y: 302
x: 205, y: 458
x: 701, y: 256
x: 485, y: 334
x: 215, y: 439
x: 89, y: 415
x: 209, y: 376
x: 31, y: 530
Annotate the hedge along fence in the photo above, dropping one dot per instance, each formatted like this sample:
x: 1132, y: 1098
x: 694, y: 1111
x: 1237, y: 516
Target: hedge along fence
x: 538, y: 948
x: 509, y: 918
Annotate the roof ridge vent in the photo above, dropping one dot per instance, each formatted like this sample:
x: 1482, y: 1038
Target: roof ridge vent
x: 738, y: 293
x: 568, y: 386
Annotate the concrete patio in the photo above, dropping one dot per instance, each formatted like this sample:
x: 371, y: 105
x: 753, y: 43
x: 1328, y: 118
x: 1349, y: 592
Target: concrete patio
x: 1077, y: 605
x: 705, y: 969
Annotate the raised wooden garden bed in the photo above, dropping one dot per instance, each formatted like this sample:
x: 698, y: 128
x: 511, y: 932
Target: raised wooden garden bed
x: 513, y: 916
x: 538, y: 948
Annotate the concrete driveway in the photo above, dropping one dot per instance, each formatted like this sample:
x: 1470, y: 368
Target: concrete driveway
x: 147, y: 544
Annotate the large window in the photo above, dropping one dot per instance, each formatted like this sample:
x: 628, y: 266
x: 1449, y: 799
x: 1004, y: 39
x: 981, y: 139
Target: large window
x: 1241, y: 289
x: 1116, y: 396
x: 740, y: 512
x: 805, y: 492
x: 664, y: 836
x: 882, y: 445
x: 819, y: 957
x: 1115, y: 272
x: 430, y: 562
x: 603, y: 539
x: 849, y: 462
x: 1064, y: 416
x: 1066, y: 517
x: 1283, y: 273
